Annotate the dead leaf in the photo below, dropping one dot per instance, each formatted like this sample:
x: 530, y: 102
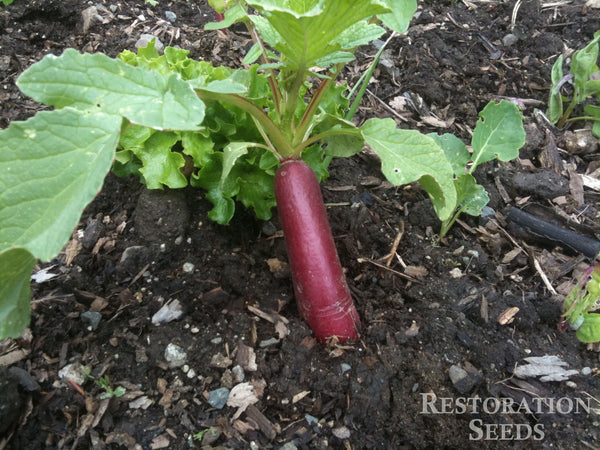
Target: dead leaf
x: 72, y: 250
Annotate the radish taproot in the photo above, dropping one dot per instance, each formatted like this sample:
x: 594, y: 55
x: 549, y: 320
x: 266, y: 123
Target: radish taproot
x: 322, y: 293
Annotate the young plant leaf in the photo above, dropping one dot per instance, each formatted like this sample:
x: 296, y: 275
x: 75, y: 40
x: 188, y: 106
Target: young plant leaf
x: 555, y: 101
x: 498, y: 134
x: 408, y: 156
x: 16, y: 265
x: 589, y: 331
x: 455, y: 150
x: 160, y: 164
x: 402, y: 12
x: 471, y: 196
x: 92, y: 81
x: 309, y: 30
x: 51, y: 167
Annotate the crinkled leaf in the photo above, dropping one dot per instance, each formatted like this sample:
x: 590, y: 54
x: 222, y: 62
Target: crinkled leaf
x: 589, y: 331
x: 498, y: 134
x: 16, y: 265
x: 51, y: 167
x: 209, y: 178
x: 455, y: 150
x: 160, y: 164
x: 87, y: 81
x: 231, y: 153
x: 256, y: 191
x: 402, y: 12
x: 308, y: 29
x: 471, y: 196
x: 197, y: 145
x: 408, y: 156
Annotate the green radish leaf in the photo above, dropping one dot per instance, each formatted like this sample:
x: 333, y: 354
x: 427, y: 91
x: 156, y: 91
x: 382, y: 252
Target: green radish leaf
x: 408, y: 156
x: 308, y: 31
x: 589, y: 331
x: 226, y: 86
x: 361, y: 33
x: 92, y: 81
x: 471, y: 196
x: 16, y: 265
x: 339, y: 145
x: 51, y: 167
x: 160, y: 164
x: 498, y: 133
x: 455, y: 150
x: 402, y: 12
x: 232, y: 15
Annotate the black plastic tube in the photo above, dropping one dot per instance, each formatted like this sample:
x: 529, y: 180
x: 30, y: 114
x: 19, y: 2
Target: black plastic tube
x: 540, y: 228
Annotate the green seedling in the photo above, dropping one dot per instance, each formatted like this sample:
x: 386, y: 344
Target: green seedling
x: 244, y: 136
x: 104, y: 384
x: 498, y: 135
x: 584, y: 78
x: 580, y: 304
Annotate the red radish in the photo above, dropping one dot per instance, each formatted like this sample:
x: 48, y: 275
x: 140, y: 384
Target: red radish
x: 320, y: 286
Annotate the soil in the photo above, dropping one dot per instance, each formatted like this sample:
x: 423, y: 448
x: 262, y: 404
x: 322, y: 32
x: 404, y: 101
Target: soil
x: 436, y: 316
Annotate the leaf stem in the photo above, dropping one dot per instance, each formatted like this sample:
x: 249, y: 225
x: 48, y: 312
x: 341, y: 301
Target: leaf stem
x: 276, y: 138
x: 265, y: 60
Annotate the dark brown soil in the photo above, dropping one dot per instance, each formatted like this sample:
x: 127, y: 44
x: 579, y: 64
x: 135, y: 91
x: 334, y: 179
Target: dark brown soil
x: 428, y: 311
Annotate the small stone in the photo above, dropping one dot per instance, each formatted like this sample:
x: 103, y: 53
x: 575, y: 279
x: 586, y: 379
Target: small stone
x: 170, y: 16
x: 288, y: 446
x: 210, y: 436
x: 346, y: 367
x: 586, y: 371
x: 509, y: 39
x: 175, y: 355
x: 341, y: 433
x: 218, y: 398
x: 169, y: 312
x: 216, y: 340
x: 268, y: 342
x: 195, y: 330
x: 145, y: 39
x: 178, y: 240
x: 92, y: 319
x: 238, y: 374
x: 463, y: 381
x: 220, y: 361
x: 188, y: 267
x: 74, y: 372
x: 185, y: 368
x: 113, y: 8
x: 269, y: 229
x: 191, y: 374
x: 311, y: 420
